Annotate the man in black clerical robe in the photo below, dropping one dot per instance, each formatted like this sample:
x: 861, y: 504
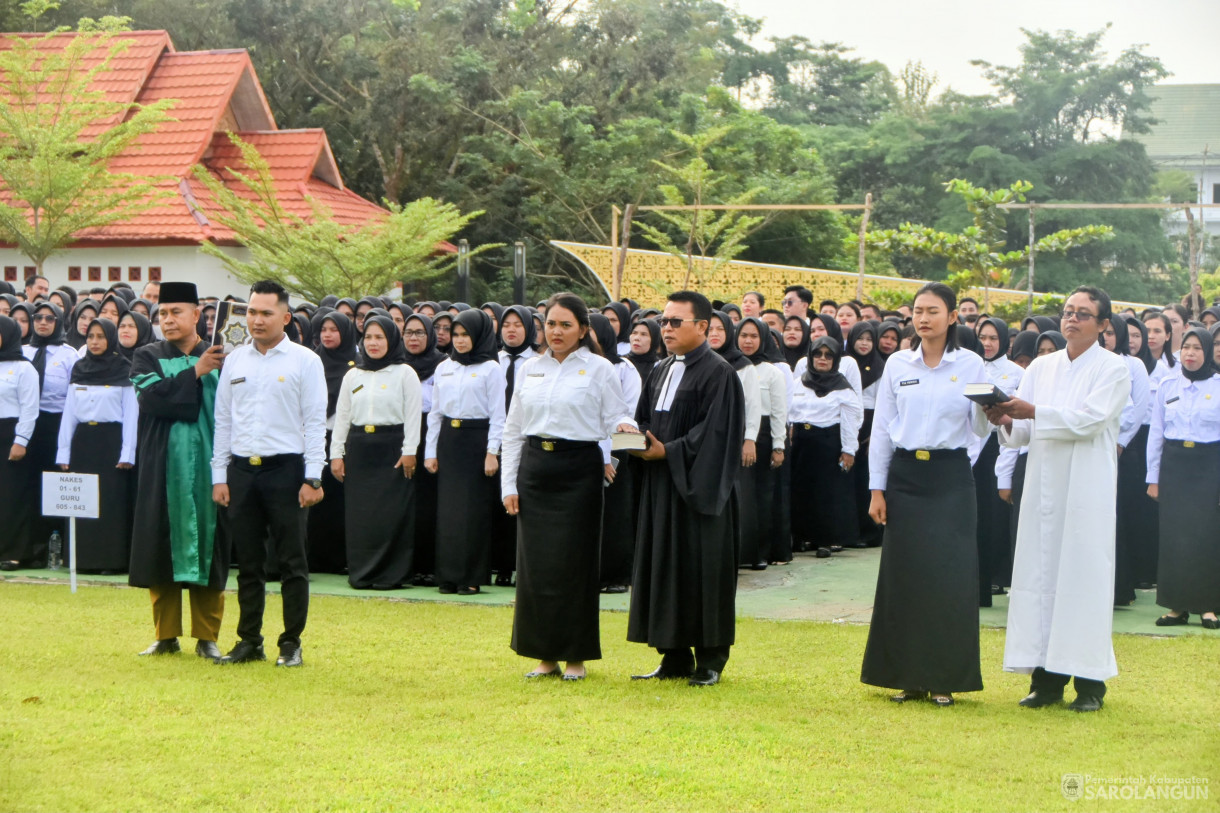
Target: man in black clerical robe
x: 685, y: 580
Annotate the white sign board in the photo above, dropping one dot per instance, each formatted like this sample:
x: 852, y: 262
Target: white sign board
x: 65, y: 494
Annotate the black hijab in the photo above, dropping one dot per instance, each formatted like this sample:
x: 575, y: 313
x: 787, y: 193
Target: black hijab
x: 120, y: 302
x: 12, y: 301
x: 108, y: 369
x: 461, y: 306
x: 29, y: 317
x: 728, y: 351
x: 833, y: 329
x: 124, y: 293
x: 1144, y: 354
x: 148, y: 306
x: 527, y: 320
x: 794, y: 354
x: 1208, y: 368
x: 872, y: 363
x: 329, y: 301
x: 67, y: 301
x: 424, y: 364
x: 482, y: 340
x: 43, y: 342
x: 1025, y: 343
x: 1041, y: 323
x: 730, y: 308
x: 1122, y: 336
x: 1001, y: 329
x: 823, y: 384
x: 201, y: 325
x: 304, y: 329
x: 967, y: 339
x: 1056, y: 338
x: 886, y: 327
x: 144, y: 333
x: 775, y: 350
x: 644, y: 362
x: 75, y: 337
x: 336, y: 363
x: 10, y: 340
x: 444, y: 348
x: 607, y: 339
x: 624, y: 319
x: 349, y: 302
x: 760, y: 355
x: 396, y: 351
x: 496, y: 309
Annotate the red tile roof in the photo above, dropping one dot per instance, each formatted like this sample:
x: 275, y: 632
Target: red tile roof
x: 212, y: 91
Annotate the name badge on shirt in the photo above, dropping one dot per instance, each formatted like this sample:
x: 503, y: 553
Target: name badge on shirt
x: 357, y: 389
x: 237, y: 381
x: 535, y: 375
x: 909, y: 382
x: 446, y: 375
x: 82, y: 389
x: 1171, y: 400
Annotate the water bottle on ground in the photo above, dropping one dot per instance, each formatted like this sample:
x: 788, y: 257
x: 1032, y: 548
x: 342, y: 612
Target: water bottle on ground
x: 55, y: 552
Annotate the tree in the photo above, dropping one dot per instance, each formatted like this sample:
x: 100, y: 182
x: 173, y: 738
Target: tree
x: 976, y: 256
x: 59, y: 134
x: 318, y: 256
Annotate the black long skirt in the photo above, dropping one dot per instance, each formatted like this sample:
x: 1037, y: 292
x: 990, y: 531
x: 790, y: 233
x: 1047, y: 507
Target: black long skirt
x: 19, y: 506
x: 465, y: 496
x: 503, y: 535
x: 44, y: 445
x: 1188, y: 572
x: 1003, y: 567
x: 425, y: 509
x: 781, y: 509
x: 380, y: 509
x: 103, y: 543
x: 324, y: 535
x: 924, y: 634
x: 618, y: 526
x: 823, y: 495
x: 758, y: 519
x: 559, y: 533
x: 870, y: 532
x: 992, y: 512
x: 1138, y: 514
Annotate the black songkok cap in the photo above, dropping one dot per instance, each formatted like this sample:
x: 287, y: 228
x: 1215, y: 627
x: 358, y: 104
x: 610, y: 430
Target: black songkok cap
x: 178, y: 292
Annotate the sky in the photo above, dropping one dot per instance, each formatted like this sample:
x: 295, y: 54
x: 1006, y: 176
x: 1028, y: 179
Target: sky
x: 946, y: 34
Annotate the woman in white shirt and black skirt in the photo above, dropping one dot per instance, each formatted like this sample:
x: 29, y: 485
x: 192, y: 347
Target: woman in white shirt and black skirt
x: 423, y: 357
x: 554, y: 466
x: 372, y: 451
x: 464, y: 431
x: 924, y: 635
x: 18, y: 412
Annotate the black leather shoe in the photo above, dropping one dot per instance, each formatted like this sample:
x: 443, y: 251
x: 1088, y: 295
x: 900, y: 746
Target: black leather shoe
x: 169, y: 646
x: 556, y: 672
x: 504, y: 581
x: 615, y: 589
x: 447, y: 589
x: 836, y: 548
x: 208, y: 649
x: 1210, y: 623
x: 759, y: 566
x: 823, y: 553
x: 290, y: 656
x: 244, y: 652
x: 903, y: 697
x: 1036, y: 699
x: 1085, y: 702
x: 11, y: 565
x: 1173, y: 620
x: 661, y: 673
x: 704, y: 677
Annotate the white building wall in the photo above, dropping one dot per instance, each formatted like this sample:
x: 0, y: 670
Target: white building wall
x: 177, y: 264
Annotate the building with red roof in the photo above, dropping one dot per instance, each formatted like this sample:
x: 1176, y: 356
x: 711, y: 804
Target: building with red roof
x: 213, y: 93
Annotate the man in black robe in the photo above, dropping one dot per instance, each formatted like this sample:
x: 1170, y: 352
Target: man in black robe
x: 175, y: 541
x: 692, y: 410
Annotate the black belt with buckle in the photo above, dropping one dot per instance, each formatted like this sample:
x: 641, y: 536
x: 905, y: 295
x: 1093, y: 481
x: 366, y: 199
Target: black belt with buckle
x: 931, y: 454
x: 468, y: 423
x: 1190, y: 444
x: 265, y: 461
x: 808, y: 427
x: 373, y: 429
x: 558, y: 444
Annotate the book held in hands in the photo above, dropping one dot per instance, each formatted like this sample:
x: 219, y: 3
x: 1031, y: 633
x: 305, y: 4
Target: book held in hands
x: 230, y: 328
x: 985, y: 394
x: 628, y: 441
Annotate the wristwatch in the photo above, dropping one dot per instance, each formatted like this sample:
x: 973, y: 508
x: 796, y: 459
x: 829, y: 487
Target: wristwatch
x: 315, y: 483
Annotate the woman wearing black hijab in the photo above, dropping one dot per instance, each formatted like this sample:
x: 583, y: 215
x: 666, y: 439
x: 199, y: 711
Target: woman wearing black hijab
x: 464, y: 432
x: 1040, y: 324
x: 23, y: 314
x: 325, y: 542
x: 1184, y: 457
x: 1050, y: 341
x: 782, y: 543
x: 207, y: 321
x: 364, y: 307
x: 496, y: 311
x: 645, y: 340
x: 862, y: 341
x: 516, y: 336
x: 442, y: 326
x: 82, y: 316
x: 796, y: 340
x: 372, y: 451
x: 347, y: 306
x: 53, y: 359
x: 7, y: 301
x: 135, y: 331
x: 620, y: 510
x: 758, y: 537
x: 63, y: 299
x: 18, y: 413
x: 98, y: 436
x: 889, y: 337
x: 424, y: 358
x: 620, y: 319
x: 112, y: 307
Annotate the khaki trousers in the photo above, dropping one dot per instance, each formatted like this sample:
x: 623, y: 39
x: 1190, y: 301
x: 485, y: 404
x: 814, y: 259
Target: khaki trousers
x: 207, y: 609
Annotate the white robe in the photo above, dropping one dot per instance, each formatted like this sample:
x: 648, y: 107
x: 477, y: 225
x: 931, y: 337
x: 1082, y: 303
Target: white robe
x: 1061, y: 604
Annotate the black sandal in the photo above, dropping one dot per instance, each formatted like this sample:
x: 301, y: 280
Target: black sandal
x: 903, y: 697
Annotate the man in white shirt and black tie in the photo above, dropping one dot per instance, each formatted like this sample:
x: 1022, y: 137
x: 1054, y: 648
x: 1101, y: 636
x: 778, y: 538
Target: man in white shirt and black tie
x: 266, y: 467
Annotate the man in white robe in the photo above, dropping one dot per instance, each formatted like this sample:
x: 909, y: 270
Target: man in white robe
x: 1067, y: 410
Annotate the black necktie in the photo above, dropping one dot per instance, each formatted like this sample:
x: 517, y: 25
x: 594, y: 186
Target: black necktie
x: 40, y: 364
x: 509, y: 377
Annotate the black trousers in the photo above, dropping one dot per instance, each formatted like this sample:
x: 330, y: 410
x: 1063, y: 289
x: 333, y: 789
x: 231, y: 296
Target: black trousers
x: 265, y: 509
x: 705, y: 657
x: 1044, y: 681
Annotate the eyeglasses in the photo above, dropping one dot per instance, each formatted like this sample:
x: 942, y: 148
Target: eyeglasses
x: 823, y: 354
x: 416, y: 334
x: 1077, y: 316
x: 673, y: 322
x: 789, y: 301
x: 44, y: 317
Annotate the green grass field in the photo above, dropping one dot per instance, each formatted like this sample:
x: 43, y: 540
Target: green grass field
x: 422, y: 707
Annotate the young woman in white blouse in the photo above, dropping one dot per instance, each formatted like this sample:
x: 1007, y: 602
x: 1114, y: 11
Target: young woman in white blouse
x: 1184, y: 457
x: 18, y: 412
x: 372, y: 452
x: 554, y: 466
x: 759, y: 536
x: 98, y: 436
x: 518, y: 338
x: 825, y: 414
x: 424, y: 357
x: 924, y: 635
x: 464, y: 431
